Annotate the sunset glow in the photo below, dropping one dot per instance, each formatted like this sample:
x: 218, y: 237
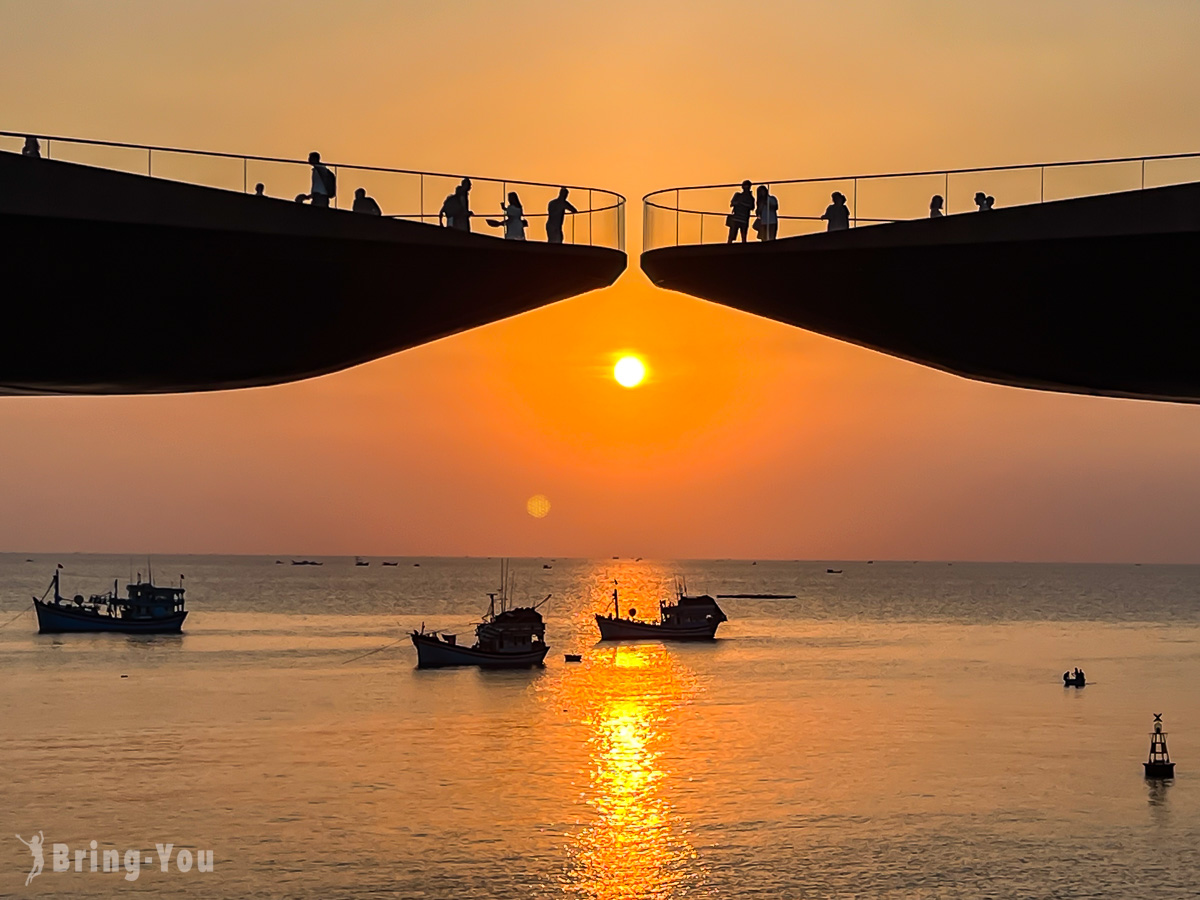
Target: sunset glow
x: 629, y: 371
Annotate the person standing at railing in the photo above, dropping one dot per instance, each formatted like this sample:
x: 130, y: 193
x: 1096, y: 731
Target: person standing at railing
x: 456, y: 208
x: 984, y: 202
x: 935, y: 207
x: 514, y: 218
x: 555, y: 214
x: 739, y: 219
x: 32, y: 148
x: 766, y: 210
x: 836, y: 213
x: 324, y: 182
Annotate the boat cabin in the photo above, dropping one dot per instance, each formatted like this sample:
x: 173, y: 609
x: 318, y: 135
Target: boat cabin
x: 692, y: 611
x: 513, y: 630
x: 151, y: 601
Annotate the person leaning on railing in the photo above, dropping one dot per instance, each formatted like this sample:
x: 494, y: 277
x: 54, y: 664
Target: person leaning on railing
x: 836, y: 213
x: 555, y: 214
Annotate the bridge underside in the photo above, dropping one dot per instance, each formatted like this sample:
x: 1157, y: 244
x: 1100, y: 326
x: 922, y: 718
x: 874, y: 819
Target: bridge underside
x: 118, y: 283
x: 1094, y: 295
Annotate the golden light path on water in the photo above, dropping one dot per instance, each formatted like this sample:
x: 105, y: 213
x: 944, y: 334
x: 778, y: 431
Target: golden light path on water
x: 635, y: 844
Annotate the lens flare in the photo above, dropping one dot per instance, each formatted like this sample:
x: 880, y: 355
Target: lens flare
x: 629, y: 371
x: 538, y: 506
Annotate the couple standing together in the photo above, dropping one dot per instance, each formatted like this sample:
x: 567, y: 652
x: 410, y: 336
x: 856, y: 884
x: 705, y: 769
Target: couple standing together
x: 765, y: 207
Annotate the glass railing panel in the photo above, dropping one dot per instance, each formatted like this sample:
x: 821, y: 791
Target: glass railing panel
x: 1091, y: 179
x: 1009, y: 187
x: 121, y: 159
x: 211, y: 171
x: 1163, y: 172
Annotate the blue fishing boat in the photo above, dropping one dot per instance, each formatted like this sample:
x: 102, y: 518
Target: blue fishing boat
x: 146, y: 608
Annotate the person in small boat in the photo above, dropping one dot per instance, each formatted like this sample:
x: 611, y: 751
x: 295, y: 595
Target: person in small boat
x: 365, y: 204
x: 1066, y: 677
x: 738, y: 219
x: 935, y: 207
x: 837, y: 214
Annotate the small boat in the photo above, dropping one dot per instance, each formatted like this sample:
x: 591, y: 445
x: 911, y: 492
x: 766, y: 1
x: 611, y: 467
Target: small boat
x: 385, y: 563
x: 1074, y: 679
x: 756, y: 596
x: 306, y: 562
x: 359, y: 561
x: 513, y: 638
x: 687, y: 619
x: 833, y: 571
x: 147, y: 608
x: 573, y: 657
x: 547, y: 566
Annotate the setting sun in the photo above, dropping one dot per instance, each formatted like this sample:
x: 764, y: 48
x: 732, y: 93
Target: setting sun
x: 629, y: 371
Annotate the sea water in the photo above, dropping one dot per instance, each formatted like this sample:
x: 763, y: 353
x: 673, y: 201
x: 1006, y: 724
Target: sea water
x: 898, y: 730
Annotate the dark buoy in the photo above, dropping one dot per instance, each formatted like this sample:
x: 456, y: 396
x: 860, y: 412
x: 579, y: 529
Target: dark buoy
x: 1159, y: 764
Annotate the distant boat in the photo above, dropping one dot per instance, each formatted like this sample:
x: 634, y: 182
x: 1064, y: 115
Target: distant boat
x: 147, y: 608
x: 572, y: 657
x: 513, y: 638
x: 756, y: 596
x: 385, y: 563
x: 833, y: 571
x: 687, y: 619
x: 359, y: 561
x: 279, y: 562
x: 306, y: 562
x: 416, y: 565
x: 547, y: 566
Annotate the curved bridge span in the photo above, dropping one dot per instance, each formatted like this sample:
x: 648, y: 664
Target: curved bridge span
x: 145, y: 281
x: 1083, y: 294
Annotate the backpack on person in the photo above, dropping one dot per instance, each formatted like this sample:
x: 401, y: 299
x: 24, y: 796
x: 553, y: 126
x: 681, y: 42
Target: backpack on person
x: 329, y: 179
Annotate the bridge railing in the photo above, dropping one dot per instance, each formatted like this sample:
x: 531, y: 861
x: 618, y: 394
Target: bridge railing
x: 697, y: 215
x: 401, y: 193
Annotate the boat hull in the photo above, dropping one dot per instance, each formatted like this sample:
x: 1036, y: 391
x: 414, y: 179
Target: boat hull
x: 58, y: 620
x: 1159, y: 770
x: 434, y: 653
x: 612, y: 629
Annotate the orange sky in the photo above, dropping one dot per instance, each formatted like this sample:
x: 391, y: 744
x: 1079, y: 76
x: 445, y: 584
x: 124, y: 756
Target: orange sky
x: 749, y: 438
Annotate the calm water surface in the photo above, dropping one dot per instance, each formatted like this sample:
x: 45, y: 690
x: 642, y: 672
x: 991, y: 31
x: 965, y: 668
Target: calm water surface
x: 898, y: 730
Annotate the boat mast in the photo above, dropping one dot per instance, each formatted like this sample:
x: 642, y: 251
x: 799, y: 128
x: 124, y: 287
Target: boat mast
x: 616, y: 602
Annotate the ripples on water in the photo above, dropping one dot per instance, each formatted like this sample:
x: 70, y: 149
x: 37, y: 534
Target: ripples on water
x: 898, y: 730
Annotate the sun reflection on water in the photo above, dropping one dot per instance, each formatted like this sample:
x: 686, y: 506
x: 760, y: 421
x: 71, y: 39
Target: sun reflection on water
x: 635, y: 844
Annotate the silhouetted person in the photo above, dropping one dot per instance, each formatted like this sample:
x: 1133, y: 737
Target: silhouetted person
x: 452, y: 209
x: 837, y: 214
x: 32, y: 148
x: 324, y: 182
x: 935, y: 207
x: 514, y: 218
x: 766, y: 211
x: 365, y: 204
x: 984, y: 202
x: 739, y: 219
x: 557, y: 211
x: 300, y: 198
x: 258, y: 190
x: 1066, y: 677
x: 464, y: 197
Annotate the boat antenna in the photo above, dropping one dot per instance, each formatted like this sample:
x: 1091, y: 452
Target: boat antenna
x: 149, y: 570
x: 539, y: 606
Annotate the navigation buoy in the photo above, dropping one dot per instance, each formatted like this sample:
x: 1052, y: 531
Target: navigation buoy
x: 1159, y: 764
